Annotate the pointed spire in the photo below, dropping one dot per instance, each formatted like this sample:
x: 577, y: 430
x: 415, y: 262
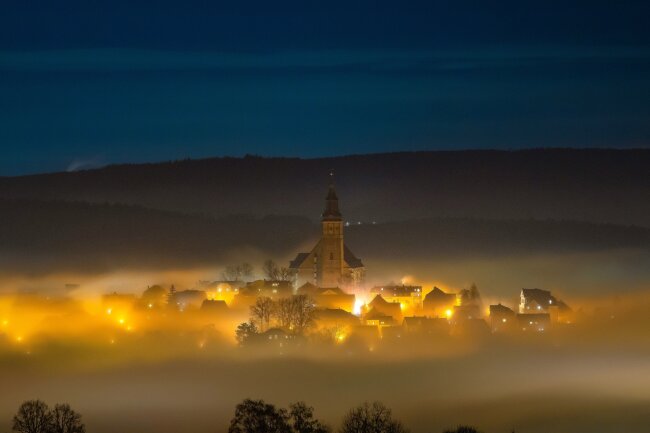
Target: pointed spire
x: 331, y: 212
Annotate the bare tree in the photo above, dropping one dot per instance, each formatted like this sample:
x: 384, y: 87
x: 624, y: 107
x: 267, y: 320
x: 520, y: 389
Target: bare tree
x: 371, y: 418
x: 237, y: 272
x: 304, y: 312
x: 296, y: 314
x: 302, y: 419
x: 255, y: 416
x: 66, y: 420
x: 33, y: 417
x: 284, y: 313
x: 262, y: 311
x: 286, y: 274
x: 271, y: 270
x: 246, y: 270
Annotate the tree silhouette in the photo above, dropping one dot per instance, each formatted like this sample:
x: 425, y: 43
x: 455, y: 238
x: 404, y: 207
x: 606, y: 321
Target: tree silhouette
x: 255, y: 416
x: 296, y: 314
x: 304, y: 313
x: 463, y: 429
x: 66, y: 420
x: 271, y: 270
x: 262, y: 311
x: 237, y: 272
x: 244, y: 332
x: 33, y: 417
x: 371, y: 418
x: 302, y: 419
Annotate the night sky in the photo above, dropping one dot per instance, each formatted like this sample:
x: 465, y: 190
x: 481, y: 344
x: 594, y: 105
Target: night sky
x: 85, y: 83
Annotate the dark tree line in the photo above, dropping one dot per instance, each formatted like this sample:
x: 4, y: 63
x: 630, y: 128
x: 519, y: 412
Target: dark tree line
x: 256, y: 416
x: 34, y: 416
x: 251, y: 416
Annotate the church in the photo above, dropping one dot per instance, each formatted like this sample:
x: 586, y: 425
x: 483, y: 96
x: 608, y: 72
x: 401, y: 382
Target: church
x: 330, y: 263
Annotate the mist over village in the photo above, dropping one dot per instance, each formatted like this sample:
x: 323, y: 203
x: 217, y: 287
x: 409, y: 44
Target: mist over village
x: 324, y: 217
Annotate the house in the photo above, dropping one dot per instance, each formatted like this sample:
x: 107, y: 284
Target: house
x: 330, y: 263
x: 439, y: 304
x: 185, y: 299
x: 212, y: 306
x: 471, y: 328
x: 425, y: 326
x: 222, y: 290
x: 536, y: 322
x: 375, y: 317
x: 536, y: 301
x: 118, y: 302
x: 267, y: 288
x: 392, y: 309
x: 328, y: 297
x: 465, y: 312
x: 410, y: 297
x: 502, y: 318
x: 335, y: 318
x: 276, y: 338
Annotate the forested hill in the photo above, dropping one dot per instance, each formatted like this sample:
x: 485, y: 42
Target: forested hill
x: 608, y: 186
x: 47, y: 236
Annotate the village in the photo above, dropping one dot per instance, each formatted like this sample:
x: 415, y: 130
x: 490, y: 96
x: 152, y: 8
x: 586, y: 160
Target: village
x: 322, y: 293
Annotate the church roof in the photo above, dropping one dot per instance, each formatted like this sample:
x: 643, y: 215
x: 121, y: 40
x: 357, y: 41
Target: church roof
x: 300, y: 258
x: 348, y: 256
x: 351, y: 259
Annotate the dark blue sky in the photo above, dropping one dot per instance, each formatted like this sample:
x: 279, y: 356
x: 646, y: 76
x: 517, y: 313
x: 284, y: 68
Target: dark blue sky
x: 86, y: 83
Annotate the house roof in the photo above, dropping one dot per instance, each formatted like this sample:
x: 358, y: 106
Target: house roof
x: 397, y: 290
x: 543, y: 297
x: 375, y: 314
x: 334, y: 313
x: 438, y: 295
x: 391, y: 308
x: 378, y: 300
x: 417, y: 321
x: 308, y: 288
x: 500, y: 309
x: 214, y: 305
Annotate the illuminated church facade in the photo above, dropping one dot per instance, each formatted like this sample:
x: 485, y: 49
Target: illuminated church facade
x: 330, y: 263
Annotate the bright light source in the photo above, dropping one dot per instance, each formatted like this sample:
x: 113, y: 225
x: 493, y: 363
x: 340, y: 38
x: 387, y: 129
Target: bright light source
x: 109, y: 311
x: 449, y: 313
x: 504, y: 320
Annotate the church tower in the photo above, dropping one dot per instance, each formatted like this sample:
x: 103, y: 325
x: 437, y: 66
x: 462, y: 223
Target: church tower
x: 331, y: 261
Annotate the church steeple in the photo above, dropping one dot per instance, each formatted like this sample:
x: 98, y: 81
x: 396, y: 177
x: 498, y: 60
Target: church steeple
x: 331, y: 212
